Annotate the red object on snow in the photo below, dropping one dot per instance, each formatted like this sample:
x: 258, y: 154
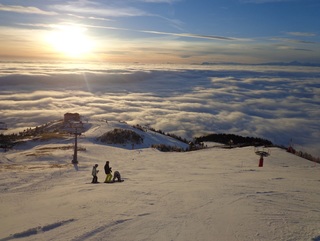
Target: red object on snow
x: 261, y: 161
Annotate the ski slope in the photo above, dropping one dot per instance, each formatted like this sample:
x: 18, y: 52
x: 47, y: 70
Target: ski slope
x: 211, y: 194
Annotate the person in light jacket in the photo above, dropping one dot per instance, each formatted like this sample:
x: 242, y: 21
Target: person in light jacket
x: 94, y: 174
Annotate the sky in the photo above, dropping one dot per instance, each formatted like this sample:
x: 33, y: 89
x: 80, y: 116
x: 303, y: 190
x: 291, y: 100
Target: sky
x: 161, y: 31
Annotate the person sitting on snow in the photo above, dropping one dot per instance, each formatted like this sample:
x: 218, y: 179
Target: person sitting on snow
x: 108, y: 171
x: 116, y: 176
x: 94, y: 174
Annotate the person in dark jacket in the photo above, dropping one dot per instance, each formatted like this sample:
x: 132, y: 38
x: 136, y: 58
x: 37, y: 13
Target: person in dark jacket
x: 116, y: 176
x: 94, y: 173
x: 108, y: 171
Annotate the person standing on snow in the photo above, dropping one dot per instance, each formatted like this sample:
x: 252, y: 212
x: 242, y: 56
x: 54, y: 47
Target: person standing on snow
x: 94, y: 174
x: 108, y: 172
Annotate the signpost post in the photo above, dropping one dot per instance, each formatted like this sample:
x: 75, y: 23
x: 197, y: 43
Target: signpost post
x: 76, y: 128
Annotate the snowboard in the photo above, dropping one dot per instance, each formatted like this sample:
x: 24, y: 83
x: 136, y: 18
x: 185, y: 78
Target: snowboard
x: 113, y: 182
x: 105, y: 182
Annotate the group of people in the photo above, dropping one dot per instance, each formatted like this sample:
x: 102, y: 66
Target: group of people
x: 108, y: 172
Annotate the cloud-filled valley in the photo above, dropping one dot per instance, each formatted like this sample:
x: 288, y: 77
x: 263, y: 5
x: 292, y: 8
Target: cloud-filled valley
x: 278, y: 103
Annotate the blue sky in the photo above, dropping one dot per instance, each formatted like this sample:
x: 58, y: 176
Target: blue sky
x: 162, y: 31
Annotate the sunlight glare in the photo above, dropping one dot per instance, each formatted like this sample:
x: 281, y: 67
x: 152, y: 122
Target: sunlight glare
x: 70, y: 40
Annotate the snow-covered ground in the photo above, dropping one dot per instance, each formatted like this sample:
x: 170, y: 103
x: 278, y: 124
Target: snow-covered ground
x: 211, y: 194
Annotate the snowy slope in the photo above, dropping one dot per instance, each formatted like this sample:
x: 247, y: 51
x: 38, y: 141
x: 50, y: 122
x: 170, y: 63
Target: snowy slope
x: 98, y: 128
x: 211, y: 194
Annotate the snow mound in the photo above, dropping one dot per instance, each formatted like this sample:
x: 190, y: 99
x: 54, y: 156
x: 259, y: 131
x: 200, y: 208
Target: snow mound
x: 97, y: 129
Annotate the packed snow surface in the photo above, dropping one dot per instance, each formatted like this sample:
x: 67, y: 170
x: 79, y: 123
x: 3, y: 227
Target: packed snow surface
x: 211, y: 194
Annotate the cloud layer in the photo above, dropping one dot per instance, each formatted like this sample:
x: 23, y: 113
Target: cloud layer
x: 277, y: 103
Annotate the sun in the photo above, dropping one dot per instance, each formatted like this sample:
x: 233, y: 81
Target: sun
x: 70, y: 40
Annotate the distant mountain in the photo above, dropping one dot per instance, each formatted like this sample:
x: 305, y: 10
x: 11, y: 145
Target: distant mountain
x: 292, y: 63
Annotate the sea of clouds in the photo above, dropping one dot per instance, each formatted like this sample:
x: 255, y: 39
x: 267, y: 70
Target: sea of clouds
x: 279, y: 103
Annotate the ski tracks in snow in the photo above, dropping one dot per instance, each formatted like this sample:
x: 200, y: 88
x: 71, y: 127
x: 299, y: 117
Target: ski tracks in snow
x: 37, y: 230
x: 96, y: 233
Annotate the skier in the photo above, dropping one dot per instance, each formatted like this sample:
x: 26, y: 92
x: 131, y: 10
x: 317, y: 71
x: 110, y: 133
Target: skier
x: 116, y: 176
x: 94, y: 174
x: 108, y: 172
